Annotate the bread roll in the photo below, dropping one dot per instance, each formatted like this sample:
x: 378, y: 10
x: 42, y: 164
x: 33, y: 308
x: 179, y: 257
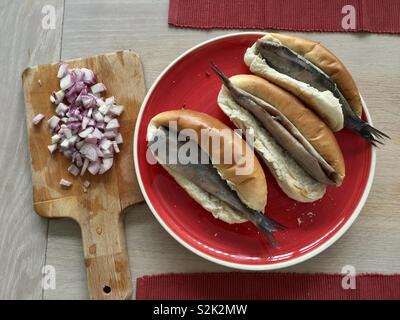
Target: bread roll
x: 250, y: 185
x: 307, y: 122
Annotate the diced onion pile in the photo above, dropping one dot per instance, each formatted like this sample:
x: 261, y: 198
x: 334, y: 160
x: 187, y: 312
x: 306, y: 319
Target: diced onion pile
x: 85, y: 128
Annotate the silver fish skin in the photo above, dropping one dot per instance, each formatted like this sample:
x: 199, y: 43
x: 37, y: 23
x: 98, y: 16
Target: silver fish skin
x: 286, y: 134
x: 290, y: 63
x: 206, y: 177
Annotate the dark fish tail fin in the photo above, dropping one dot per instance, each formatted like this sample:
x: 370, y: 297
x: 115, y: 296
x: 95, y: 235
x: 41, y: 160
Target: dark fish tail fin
x: 268, y: 226
x: 372, y: 135
x: 221, y: 75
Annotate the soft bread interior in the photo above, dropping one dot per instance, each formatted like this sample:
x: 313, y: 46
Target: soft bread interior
x: 293, y: 180
x: 325, y: 104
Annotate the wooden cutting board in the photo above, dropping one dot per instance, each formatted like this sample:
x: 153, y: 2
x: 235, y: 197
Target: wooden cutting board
x: 99, y: 211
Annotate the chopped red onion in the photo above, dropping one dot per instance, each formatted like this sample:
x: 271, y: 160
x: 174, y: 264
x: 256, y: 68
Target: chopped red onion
x: 98, y: 116
x: 88, y: 150
x: 97, y: 134
x: 79, y: 160
x: 65, y: 183
x: 85, y: 166
x: 104, y: 109
x: 113, y: 124
x: 65, y: 144
x: 73, y: 140
x: 52, y: 148
x: 89, y: 113
x: 77, y: 75
x: 74, y: 170
x: 79, y: 144
x: 110, y: 101
x: 94, y: 167
x: 67, y: 132
x: 53, y: 122
x: 105, y: 144
x: 89, y: 77
x: 98, y: 88
x: 119, y: 139
x: 106, y: 165
x: 66, y: 82
x: 116, y: 148
x: 57, y: 97
x: 62, y: 71
x: 85, y: 122
x: 110, y: 135
x: 109, y: 153
x: 86, y: 184
x: 88, y: 101
x: 107, y: 119
x: 116, y: 110
x: 61, y: 109
x: 91, y: 139
x: 87, y: 132
x: 39, y: 117
x: 55, y: 138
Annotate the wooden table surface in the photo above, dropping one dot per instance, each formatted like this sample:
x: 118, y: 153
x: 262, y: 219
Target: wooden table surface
x: 83, y: 27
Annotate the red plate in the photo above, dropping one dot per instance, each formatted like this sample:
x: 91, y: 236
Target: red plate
x: 188, y: 82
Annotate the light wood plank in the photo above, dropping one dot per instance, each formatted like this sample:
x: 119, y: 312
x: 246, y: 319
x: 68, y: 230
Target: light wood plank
x: 23, y: 234
x: 373, y: 242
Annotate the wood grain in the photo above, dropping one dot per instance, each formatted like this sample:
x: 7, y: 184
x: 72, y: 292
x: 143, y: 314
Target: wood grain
x: 98, y: 212
x: 22, y: 233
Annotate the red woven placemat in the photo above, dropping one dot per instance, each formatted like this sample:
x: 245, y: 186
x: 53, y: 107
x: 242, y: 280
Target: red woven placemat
x: 300, y: 15
x: 268, y: 286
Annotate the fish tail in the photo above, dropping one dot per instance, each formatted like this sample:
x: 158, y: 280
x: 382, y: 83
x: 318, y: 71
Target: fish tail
x: 368, y: 132
x: 221, y: 75
x: 268, y: 226
x: 353, y: 122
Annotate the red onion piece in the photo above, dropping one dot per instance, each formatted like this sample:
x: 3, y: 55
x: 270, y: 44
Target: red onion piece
x: 86, y: 132
x: 53, y: 122
x: 39, y: 117
x: 113, y: 124
x: 86, y: 184
x: 116, y: 110
x: 94, y: 168
x: 98, y: 88
x: 52, y: 148
x: 74, y: 170
x: 106, y: 165
x: 62, y: 71
x: 61, y: 109
x: 85, y: 122
x: 88, y: 150
x: 65, y: 183
x: 119, y: 139
x: 85, y: 166
x: 66, y: 82
x: 116, y: 148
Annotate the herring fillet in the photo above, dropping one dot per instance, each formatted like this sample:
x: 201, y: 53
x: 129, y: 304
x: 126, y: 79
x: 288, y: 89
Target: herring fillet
x: 284, y: 132
x: 288, y: 62
x: 206, y: 177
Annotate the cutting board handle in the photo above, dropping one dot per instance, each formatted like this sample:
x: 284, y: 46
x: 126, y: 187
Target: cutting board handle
x: 106, y: 257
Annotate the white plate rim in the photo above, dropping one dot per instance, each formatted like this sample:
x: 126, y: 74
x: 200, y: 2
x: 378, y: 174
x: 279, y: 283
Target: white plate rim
x: 243, y: 266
